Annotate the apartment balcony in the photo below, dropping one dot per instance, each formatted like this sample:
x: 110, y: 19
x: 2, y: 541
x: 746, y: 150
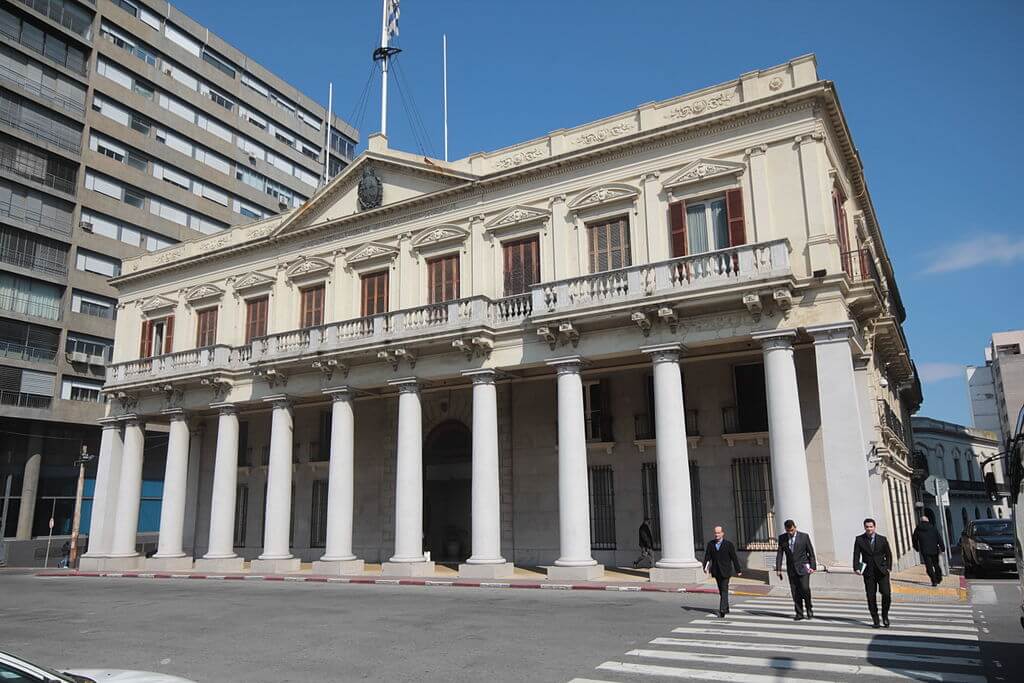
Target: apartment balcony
x: 17, y: 399
x: 27, y: 353
x: 33, y: 173
x: 55, y: 98
x: 42, y: 264
x: 21, y: 216
x: 470, y: 323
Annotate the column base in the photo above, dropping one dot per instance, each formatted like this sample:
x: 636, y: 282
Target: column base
x: 91, y: 564
x: 292, y: 564
x: 407, y: 569
x: 677, y: 575
x: 169, y: 564
x: 338, y: 567
x: 499, y: 570
x: 120, y: 563
x: 589, y: 572
x: 220, y: 564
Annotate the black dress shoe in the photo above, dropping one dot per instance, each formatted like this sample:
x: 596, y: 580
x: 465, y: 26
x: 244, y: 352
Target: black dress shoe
x: 721, y: 615
x: 885, y: 622
x: 810, y: 613
x: 798, y: 617
x: 875, y: 624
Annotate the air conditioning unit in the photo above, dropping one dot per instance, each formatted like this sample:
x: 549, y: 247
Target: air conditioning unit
x: 85, y: 226
x: 282, y: 204
x: 77, y: 357
x: 252, y: 158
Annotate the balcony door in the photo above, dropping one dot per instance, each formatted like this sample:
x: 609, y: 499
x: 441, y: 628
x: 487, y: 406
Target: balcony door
x: 375, y: 293
x: 522, y: 265
x: 609, y: 244
x: 443, y: 278
x: 157, y: 337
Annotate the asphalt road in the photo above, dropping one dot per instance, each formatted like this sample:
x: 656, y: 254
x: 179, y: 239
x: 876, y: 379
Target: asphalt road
x: 274, y: 632
x: 997, y: 612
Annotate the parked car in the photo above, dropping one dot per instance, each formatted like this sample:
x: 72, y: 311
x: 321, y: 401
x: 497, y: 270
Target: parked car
x: 19, y: 671
x: 987, y: 545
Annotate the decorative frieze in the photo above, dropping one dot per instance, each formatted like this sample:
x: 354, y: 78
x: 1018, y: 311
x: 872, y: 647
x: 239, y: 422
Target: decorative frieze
x: 520, y: 157
x: 700, y: 106
x: 598, y: 135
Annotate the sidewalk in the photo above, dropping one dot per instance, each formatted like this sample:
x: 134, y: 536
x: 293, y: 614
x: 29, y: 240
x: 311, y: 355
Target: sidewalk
x: 909, y: 586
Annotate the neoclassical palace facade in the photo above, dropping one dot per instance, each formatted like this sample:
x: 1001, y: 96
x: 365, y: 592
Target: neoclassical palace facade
x: 684, y: 312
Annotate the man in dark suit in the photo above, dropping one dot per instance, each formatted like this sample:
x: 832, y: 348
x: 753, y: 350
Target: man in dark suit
x: 872, y: 559
x: 646, y: 545
x: 720, y: 560
x: 796, y: 547
x: 928, y: 541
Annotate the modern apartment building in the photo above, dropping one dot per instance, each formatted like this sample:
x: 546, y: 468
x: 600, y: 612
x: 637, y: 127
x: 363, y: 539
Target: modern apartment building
x: 1004, y: 370
x: 125, y: 127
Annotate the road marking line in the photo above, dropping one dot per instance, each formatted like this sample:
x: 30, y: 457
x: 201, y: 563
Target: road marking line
x: 863, y: 605
x: 853, y: 640
x: 786, y: 664
x: 845, y: 614
x: 940, y: 608
x: 872, y: 652
x: 833, y: 623
x: 699, y: 674
x: 843, y: 628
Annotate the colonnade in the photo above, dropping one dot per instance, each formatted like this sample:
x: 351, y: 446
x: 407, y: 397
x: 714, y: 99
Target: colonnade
x: 119, y: 476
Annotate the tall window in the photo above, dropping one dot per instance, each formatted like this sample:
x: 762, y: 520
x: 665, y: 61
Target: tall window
x: 609, y: 244
x: 956, y: 469
x: 375, y: 293
x: 206, y: 327
x: 597, y: 411
x: 751, y: 399
x: 649, y: 480
x: 839, y: 213
x: 241, y: 511
x: 522, y: 265
x: 752, y: 488
x: 602, y: 508
x: 443, y: 278
x: 698, y: 226
x: 318, y: 515
x: 157, y: 337
x: 312, y: 311
x: 256, y: 318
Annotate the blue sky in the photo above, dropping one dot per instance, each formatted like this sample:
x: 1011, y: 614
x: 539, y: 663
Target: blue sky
x: 932, y: 92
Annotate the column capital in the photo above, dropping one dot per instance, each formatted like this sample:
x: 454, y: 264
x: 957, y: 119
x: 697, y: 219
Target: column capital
x: 343, y: 393
x: 174, y: 414
x: 571, y: 365
x: 225, y: 408
x: 756, y: 150
x: 831, y: 333
x: 279, y: 401
x: 405, y: 385
x: 481, y: 375
x: 109, y: 422
x: 775, y: 339
x: 664, y: 353
x: 130, y: 419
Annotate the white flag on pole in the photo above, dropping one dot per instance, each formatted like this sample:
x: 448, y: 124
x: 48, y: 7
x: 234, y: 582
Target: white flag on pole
x: 393, y: 14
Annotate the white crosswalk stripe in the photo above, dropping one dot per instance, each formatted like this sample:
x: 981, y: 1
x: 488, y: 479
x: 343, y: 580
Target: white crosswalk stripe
x: 758, y: 642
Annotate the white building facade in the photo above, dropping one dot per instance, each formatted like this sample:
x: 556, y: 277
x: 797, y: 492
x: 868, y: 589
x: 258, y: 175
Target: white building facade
x: 685, y: 311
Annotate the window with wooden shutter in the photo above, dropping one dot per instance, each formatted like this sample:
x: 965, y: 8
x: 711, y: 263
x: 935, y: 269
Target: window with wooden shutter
x: 734, y: 208
x: 146, y: 341
x: 312, y: 311
x: 168, y: 334
x: 206, y: 327
x: 677, y: 226
x: 256, y: 318
x: 443, y: 278
x: 522, y: 265
x: 839, y: 212
x: 157, y: 337
x: 375, y: 293
x: 609, y: 244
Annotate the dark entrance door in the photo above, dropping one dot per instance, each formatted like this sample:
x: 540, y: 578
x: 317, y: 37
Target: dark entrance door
x: 447, y: 473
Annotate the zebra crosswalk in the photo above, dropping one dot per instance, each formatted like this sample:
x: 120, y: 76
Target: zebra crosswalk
x: 759, y: 642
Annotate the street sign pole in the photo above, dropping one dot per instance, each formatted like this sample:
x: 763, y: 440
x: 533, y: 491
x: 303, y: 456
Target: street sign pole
x: 46, y: 560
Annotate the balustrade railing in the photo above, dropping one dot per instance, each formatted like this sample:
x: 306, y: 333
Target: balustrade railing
x: 36, y: 218
x: 20, y: 400
x: 11, y: 76
x: 218, y: 357
x: 16, y: 351
x: 33, y: 261
x: 892, y: 421
x: 860, y: 265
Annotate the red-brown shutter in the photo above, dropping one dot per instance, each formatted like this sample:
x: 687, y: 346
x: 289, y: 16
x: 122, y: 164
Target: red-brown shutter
x: 677, y: 221
x: 169, y: 335
x: 734, y: 210
x: 146, y: 342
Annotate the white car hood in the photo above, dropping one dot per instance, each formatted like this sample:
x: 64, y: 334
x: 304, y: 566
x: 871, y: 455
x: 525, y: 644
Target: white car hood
x: 124, y: 676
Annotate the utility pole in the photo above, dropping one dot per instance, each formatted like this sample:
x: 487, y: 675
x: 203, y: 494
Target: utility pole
x: 77, y: 522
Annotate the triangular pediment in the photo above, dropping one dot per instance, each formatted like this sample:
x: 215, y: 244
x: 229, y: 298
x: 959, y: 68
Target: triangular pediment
x: 517, y: 215
x: 704, y: 169
x: 439, y: 234
x: 157, y: 303
x: 603, y: 194
x: 253, y: 281
x: 307, y: 267
x: 371, y: 251
x: 201, y: 292
x: 375, y: 180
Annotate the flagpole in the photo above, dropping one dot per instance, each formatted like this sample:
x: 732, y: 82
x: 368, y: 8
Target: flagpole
x: 330, y: 119
x: 444, y: 50
x: 384, y: 69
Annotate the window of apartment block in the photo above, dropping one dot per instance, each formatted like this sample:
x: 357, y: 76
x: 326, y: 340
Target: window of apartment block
x: 596, y: 410
x: 522, y: 265
x: 443, y: 278
x: 751, y: 411
x: 30, y: 297
x: 311, y: 313
x: 22, y: 341
x: 318, y: 515
x: 702, y: 225
x: 94, y: 305
x: 206, y: 327
x: 92, y: 262
x: 752, y: 491
x: 609, y: 244
x: 157, y: 337
x: 75, y: 389
x: 241, y: 512
x: 375, y: 293
x: 95, y: 349
x: 256, y: 318
x: 651, y: 509
x: 602, y: 508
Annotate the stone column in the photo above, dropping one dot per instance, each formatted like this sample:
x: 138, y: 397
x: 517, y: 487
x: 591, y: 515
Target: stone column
x: 338, y: 557
x: 678, y: 563
x: 574, y: 562
x: 790, y: 483
x: 129, y: 494
x: 195, y: 450
x: 220, y: 551
x: 846, y: 460
x: 277, y: 556
x: 169, y: 553
x: 104, y: 497
x: 29, y: 489
x: 486, y: 561
x: 408, y: 559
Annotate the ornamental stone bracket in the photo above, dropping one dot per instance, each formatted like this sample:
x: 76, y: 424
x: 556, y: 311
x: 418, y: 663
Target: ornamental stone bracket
x: 220, y: 387
x: 172, y: 395
x: 329, y: 366
x: 704, y: 169
x: 273, y: 376
x: 564, y: 333
x: 475, y: 346
x: 394, y: 357
x: 768, y: 303
x: 642, y: 320
x: 127, y: 401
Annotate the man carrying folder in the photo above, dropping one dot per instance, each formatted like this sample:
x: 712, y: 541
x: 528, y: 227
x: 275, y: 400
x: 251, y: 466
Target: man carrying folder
x: 796, y: 547
x: 872, y: 559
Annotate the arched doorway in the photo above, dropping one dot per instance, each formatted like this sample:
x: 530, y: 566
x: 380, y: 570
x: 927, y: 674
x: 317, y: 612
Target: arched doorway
x: 447, y: 481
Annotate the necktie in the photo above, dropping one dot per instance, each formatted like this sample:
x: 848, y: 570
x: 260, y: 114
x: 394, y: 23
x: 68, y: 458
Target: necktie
x: 872, y: 537
x: 792, y: 539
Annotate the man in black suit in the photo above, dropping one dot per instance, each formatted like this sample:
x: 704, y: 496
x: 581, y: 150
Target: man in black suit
x: 720, y: 560
x: 928, y: 541
x: 796, y: 547
x: 872, y: 559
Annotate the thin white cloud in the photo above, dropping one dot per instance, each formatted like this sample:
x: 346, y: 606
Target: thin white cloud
x: 983, y: 249
x: 937, y: 372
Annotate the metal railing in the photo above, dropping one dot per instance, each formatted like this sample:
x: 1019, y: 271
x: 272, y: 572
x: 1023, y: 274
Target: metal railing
x: 20, y: 400
x: 57, y: 10
x: 32, y: 261
x: 30, y: 172
x: 36, y: 354
x: 44, y: 134
x: 36, y: 218
x: 29, y: 306
x: 860, y: 265
x: 46, y: 92
x: 80, y: 351
x: 894, y: 423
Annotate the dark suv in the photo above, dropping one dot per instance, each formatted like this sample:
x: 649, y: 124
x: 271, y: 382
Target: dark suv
x: 987, y: 544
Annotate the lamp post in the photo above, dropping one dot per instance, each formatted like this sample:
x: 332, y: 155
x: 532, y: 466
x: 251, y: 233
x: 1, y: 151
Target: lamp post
x: 77, y: 521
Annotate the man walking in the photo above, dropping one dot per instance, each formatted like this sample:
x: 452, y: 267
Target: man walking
x: 796, y: 547
x: 928, y: 541
x: 720, y: 560
x: 646, y: 544
x: 872, y: 559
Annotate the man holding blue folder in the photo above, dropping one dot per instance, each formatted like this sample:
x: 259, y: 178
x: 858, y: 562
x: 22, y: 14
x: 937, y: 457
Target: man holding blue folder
x: 872, y: 559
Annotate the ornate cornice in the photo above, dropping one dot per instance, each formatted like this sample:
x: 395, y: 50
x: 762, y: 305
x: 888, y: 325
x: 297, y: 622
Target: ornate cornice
x: 371, y: 251
x: 156, y: 303
x: 253, y: 280
x: 603, y: 194
x: 203, y: 292
x: 439, y: 234
x: 307, y: 267
x: 704, y: 169
x: 517, y: 215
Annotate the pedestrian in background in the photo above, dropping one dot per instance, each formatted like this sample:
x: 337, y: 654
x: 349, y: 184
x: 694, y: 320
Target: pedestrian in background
x: 872, y: 559
x: 719, y: 561
x: 646, y: 544
x: 798, y: 550
x: 928, y: 541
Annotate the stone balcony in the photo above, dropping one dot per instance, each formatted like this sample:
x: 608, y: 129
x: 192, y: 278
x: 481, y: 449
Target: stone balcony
x: 473, y: 321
